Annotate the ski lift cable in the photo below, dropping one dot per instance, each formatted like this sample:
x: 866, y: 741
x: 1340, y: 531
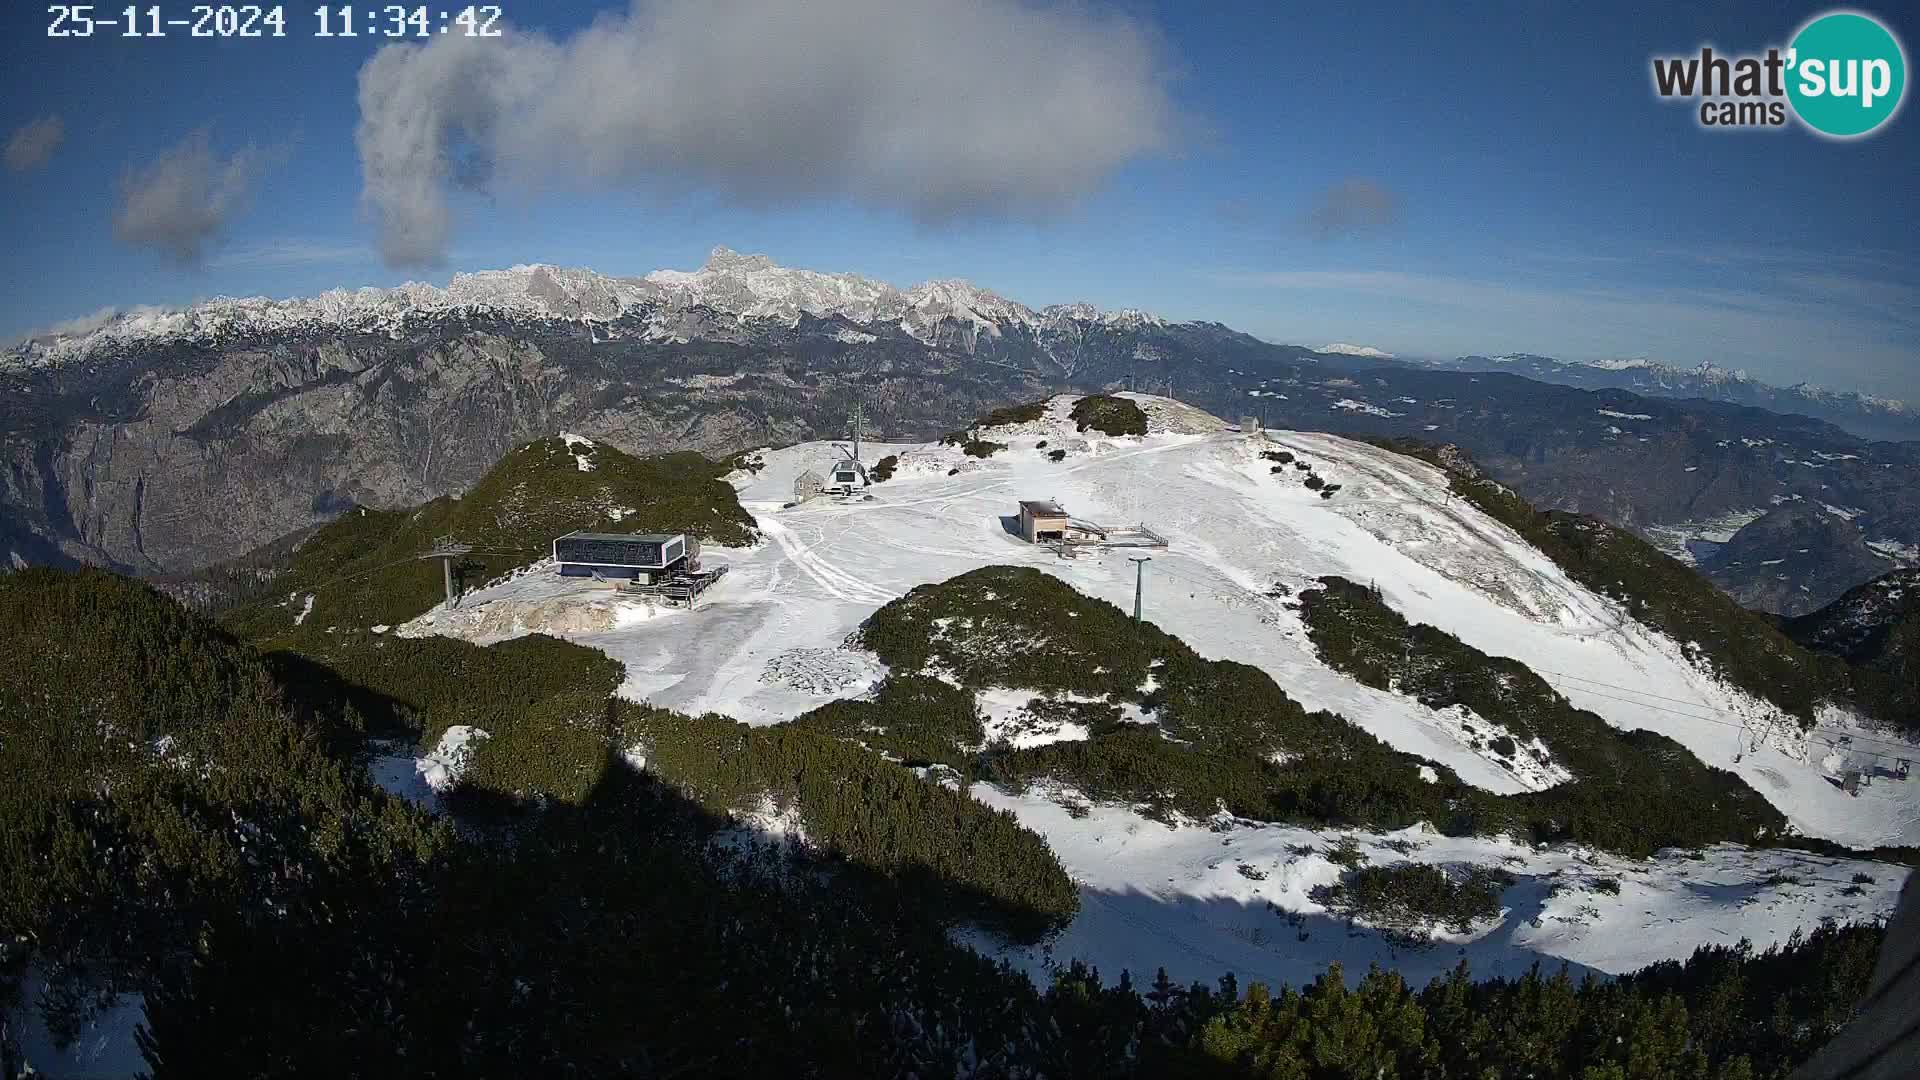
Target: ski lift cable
x: 1838, y: 732
x: 1895, y: 749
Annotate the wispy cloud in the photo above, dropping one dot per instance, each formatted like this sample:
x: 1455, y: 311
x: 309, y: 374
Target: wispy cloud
x: 289, y: 252
x: 34, y: 143
x: 1759, y: 255
x: 182, y: 201
x: 1352, y: 207
x: 1834, y: 329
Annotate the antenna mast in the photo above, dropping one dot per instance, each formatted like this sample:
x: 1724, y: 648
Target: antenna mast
x: 857, y: 422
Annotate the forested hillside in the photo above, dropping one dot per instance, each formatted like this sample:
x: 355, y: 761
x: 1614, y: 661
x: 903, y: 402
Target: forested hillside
x: 362, y: 569
x: 203, y: 836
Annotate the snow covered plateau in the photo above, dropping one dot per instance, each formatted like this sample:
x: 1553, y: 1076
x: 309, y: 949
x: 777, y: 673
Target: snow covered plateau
x: 1203, y: 897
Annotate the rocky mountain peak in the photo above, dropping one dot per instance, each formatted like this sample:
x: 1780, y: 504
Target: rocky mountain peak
x: 723, y: 258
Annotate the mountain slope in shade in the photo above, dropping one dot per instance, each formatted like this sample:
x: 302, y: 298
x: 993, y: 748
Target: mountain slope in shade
x: 1874, y: 626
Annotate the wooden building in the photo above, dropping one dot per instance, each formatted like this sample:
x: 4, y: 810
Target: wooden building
x: 1042, y: 521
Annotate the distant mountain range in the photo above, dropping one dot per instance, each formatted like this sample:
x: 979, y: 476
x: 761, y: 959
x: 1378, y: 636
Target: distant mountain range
x: 163, y: 441
x: 665, y: 305
x: 1863, y: 414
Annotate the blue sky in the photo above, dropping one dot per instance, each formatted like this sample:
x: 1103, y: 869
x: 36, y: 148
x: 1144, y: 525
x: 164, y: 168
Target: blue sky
x: 1502, y: 177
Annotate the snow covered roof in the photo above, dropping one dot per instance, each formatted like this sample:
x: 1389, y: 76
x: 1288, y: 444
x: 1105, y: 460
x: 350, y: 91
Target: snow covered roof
x: 1042, y: 508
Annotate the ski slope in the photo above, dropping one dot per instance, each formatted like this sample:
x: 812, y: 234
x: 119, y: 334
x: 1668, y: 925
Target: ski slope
x: 1236, y: 532
x: 766, y: 644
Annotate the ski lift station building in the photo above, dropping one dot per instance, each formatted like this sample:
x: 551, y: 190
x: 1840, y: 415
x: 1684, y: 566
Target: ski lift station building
x: 1042, y: 520
x: 638, y: 557
x: 849, y: 474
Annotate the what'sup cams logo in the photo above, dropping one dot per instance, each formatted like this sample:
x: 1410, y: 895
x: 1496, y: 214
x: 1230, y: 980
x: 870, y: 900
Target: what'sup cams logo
x: 1844, y: 75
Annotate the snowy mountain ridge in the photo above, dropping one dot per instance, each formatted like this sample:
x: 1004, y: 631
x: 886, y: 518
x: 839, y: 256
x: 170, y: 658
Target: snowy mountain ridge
x: 749, y: 288
x: 1652, y: 375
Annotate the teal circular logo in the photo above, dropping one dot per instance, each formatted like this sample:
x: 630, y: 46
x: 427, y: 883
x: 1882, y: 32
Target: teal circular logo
x: 1846, y: 74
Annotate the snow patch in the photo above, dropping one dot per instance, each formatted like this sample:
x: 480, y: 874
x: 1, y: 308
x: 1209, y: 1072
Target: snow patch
x: 1356, y: 405
x: 1675, y: 539
x: 821, y: 671
x: 1895, y: 550
x: 451, y: 757
x: 424, y: 780
x: 766, y: 824
x: 103, y: 1047
x: 1227, y: 895
x: 1010, y: 716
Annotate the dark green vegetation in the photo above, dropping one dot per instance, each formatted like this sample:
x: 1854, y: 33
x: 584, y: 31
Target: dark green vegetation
x: 157, y: 780
x: 361, y: 571
x: 1665, y: 594
x: 195, y: 826
x: 1026, y: 413
x: 1633, y: 791
x: 1405, y: 898
x: 543, y: 702
x: 1727, y: 1013
x: 1876, y: 628
x: 1224, y: 733
x: 970, y: 442
x: 199, y: 830
x: 1111, y: 415
x: 920, y: 720
x: 882, y: 470
x: 941, y: 848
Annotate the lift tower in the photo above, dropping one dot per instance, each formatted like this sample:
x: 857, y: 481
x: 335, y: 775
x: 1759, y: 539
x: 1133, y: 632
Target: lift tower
x: 446, y: 549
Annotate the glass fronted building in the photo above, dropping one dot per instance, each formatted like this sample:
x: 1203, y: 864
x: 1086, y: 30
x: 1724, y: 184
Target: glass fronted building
x: 642, y: 557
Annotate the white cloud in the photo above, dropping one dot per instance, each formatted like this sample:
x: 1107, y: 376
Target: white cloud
x: 183, y: 200
x: 79, y: 325
x: 937, y: 109
x: 34, y: 143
